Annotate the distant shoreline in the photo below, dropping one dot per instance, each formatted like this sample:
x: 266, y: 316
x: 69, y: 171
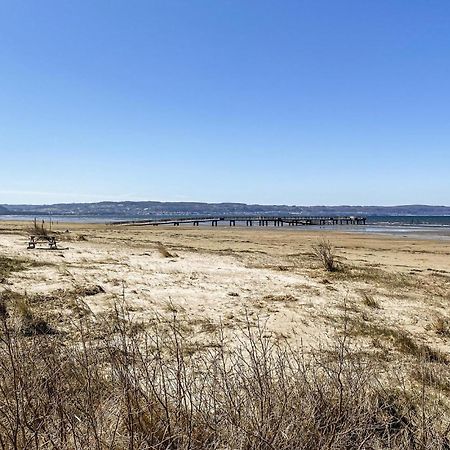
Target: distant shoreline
x: 406, y: 219
x: 414, y: 227
x: 153, y: 209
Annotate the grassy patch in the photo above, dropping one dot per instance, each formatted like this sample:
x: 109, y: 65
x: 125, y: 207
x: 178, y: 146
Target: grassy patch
x: 433, y: 375
x: 31, y: 323
x: 376, y: 275
x: 288, y: 298
x: 205, y: 325
x: 400, y: 339
x: 9, y: 265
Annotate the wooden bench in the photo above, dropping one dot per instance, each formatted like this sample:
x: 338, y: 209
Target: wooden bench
x: 50, y: 240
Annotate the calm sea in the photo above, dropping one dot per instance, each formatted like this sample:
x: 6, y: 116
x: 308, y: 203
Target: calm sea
x: 410, y: 220
x: 418, y: 226
x: 425, y: 227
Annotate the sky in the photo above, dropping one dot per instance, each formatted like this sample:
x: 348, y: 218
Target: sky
x: 280, y: 102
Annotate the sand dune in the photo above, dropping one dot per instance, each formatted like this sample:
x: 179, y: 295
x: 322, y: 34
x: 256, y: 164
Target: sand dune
x: 222, y: 276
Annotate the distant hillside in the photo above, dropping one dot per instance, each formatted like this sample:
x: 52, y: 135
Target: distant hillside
x: 151, y: 208
x: 3, y: 210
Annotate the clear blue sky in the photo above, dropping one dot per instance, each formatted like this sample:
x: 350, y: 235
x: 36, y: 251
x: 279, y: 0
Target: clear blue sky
x: 294, y: 102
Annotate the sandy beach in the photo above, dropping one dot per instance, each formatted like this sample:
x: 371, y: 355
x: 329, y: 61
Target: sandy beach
x: 222, y: 277
x: 143, y: 330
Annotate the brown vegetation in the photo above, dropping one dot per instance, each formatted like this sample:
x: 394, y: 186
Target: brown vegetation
x: 150, y: 389
x: 369, y: 300
x: 9, y: 265
x: 184, y: 363
x: 324, y: 252
x: 162, y: 249
x: 442, y: 326
x: 38, y: 230
x: 401, y: 340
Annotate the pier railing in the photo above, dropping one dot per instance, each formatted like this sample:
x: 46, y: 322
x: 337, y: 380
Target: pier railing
x: 249, y: 220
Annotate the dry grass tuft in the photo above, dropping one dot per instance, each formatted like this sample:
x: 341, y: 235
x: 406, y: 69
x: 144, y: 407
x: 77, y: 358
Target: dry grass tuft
x: 9, y: 265
x: 288, y: 298
x: 369, y: 300
x: 441, y: 326
x: 433, y: 375
x: 87, y: 291
x: 401, y: 340
x: 162, y: 249
x: 30, y: 323
x: 380, y: 277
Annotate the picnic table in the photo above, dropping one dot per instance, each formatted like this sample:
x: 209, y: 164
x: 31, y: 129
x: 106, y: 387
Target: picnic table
x: 50, y: 240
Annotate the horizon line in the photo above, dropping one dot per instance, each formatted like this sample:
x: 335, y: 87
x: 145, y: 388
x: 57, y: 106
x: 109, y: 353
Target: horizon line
x: 230, y: 203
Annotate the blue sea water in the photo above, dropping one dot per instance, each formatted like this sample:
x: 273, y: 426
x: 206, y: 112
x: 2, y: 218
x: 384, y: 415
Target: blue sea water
x: 422, y: 221
x: 428, y: 227
x: 425, y: 227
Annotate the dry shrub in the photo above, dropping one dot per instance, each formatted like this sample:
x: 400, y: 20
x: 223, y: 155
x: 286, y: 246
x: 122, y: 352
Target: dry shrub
x: 38, y: 230
x: 325, y: 253
x: 3, y: 308
x: 141, y: 389
x: 37, y: 326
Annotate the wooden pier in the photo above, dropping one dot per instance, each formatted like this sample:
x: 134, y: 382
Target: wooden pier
x: 249, y: 221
